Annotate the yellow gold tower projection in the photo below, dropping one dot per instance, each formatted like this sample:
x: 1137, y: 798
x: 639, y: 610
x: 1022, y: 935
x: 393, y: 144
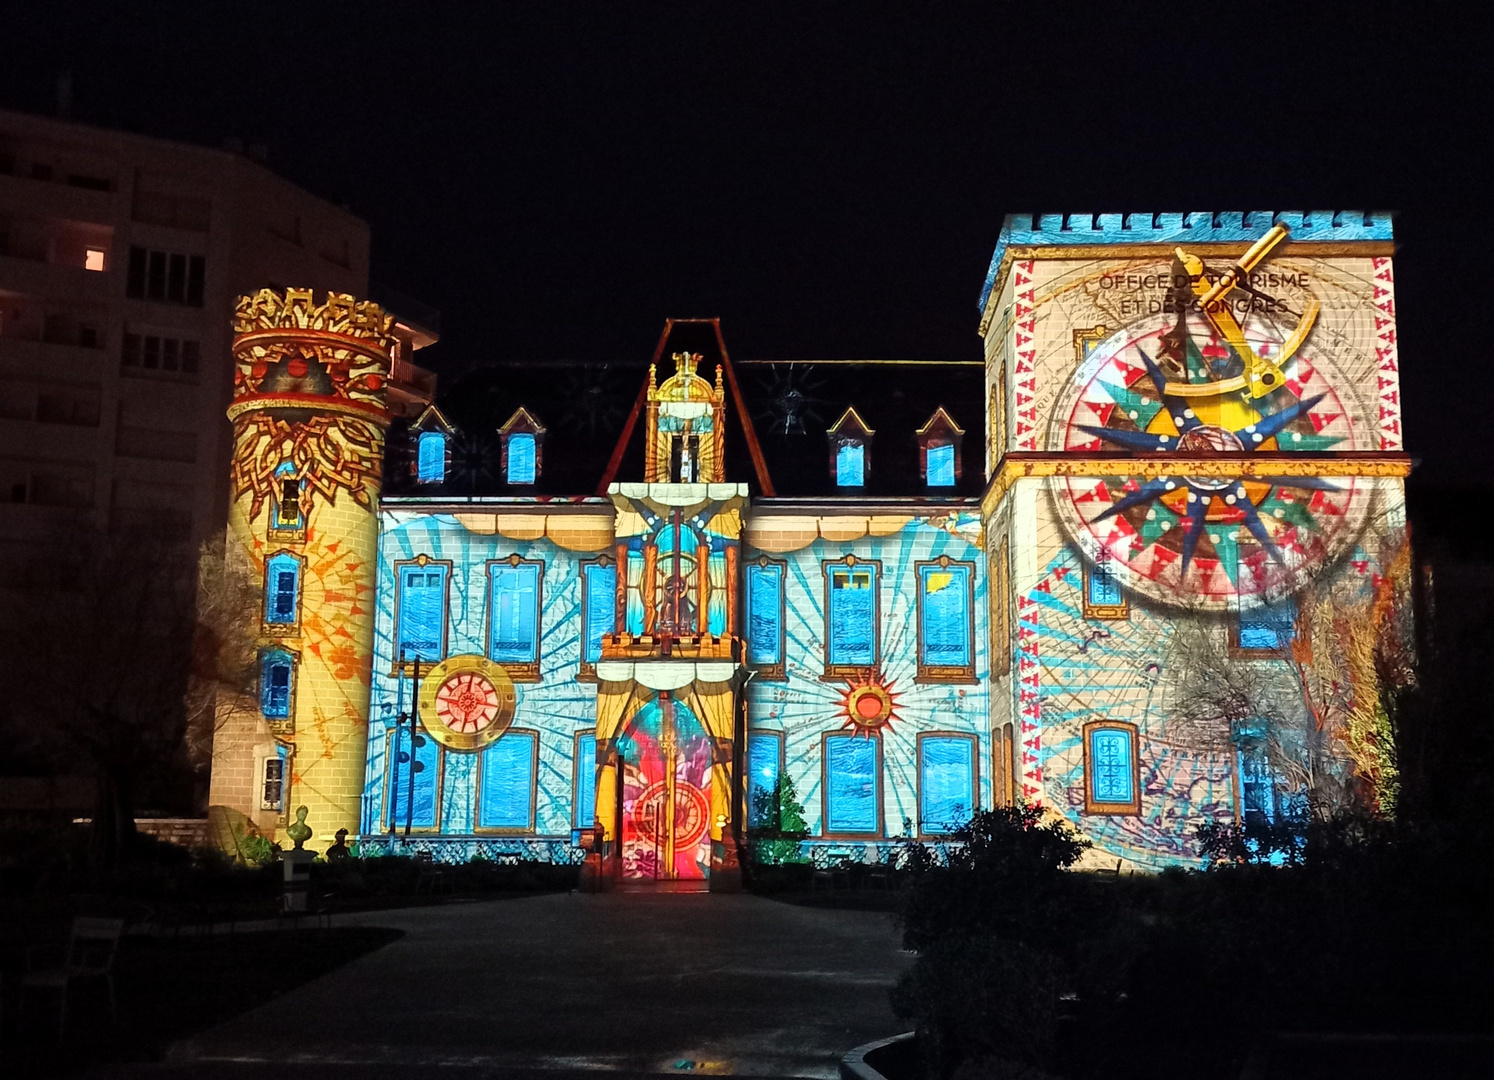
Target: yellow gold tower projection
x: 309, y: 417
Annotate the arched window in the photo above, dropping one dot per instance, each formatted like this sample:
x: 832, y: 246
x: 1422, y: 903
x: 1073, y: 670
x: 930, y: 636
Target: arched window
x: 275, y: 670
x: 431, y: 458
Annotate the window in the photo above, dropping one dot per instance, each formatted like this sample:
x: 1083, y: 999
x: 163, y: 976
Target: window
x: 1111, y: 780
x: 939, y: 450
x: 521, y: 458
x: 414, y: 787
x: 421, y: 610
x: 584, y: 793
x: 166, y: 276
x: 1103, y: 598
x: 997, y: 587
x: 288, y: 517
x: 852, y: 771
x: 93, y: 259
x: 850, y: 465
x: 282, y: 590
x: 946, y: 621
x: 275, y: 670
x: 941, y: 465
x: 514, y: 598
x: 1259, y: 802
x: 946, y: 782
x: 1003, y: 766
x: 764, y: 763
x: 851, y: 632
x: 431, y: 455
x: 1267, y: 628
x: 272, y: 786
x: 765, y: 610
x: 505, y: 797
x: 598, y: 608
x: 153, y: 354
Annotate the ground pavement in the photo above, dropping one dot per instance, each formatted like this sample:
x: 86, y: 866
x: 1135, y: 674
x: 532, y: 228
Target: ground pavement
x: 577, y: 983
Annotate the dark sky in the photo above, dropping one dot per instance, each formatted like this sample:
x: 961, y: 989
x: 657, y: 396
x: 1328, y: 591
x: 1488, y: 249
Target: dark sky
x: 828, y: 179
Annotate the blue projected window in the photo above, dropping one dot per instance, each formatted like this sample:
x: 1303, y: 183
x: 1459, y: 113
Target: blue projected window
x: 851, y: 784
x: 1103, y: 587
x: 431, y: 458
x: 584, y: 797
x: 765, y: 614
x: 275, y: 684
x: 600, y: 607
x: 513, y: 632
x: 763, y: 755
x: 945, y: 629
x: 1112, y: 767
x: 946, y: 782
x: 418, y: 803
x: 422, y: 612
x: 850, y: 465
x: 851, y: 611
x: 1270, y: 627
x: 506, y: 799
x: 282, y: 589
x: 521, y: 458
x: 1257, y: 788
x: 941, y: 465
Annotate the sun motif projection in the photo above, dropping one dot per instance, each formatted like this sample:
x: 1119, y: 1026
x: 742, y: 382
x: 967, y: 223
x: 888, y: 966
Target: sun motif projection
x: 1224, y: 531
x: 869, y: 704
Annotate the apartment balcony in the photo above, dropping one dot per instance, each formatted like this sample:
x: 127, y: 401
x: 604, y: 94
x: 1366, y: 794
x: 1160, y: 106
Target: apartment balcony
x: 23, y: 196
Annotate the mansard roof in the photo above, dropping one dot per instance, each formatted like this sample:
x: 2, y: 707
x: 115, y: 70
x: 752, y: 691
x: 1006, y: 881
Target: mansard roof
x: 790, y: 406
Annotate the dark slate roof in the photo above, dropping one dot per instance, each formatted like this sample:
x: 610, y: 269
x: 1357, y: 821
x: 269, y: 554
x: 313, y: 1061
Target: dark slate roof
x: 585, y: 408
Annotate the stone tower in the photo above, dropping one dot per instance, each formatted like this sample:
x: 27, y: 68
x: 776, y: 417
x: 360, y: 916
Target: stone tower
x: 309, y: 416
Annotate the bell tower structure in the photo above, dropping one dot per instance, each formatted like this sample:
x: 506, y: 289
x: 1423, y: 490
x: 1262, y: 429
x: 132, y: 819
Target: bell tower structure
x: 309, y: 415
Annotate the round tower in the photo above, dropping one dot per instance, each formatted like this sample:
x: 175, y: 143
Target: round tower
x: 309, y: 417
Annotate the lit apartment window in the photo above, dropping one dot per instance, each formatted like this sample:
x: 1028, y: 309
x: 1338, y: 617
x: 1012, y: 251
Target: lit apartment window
x: 93, y: 259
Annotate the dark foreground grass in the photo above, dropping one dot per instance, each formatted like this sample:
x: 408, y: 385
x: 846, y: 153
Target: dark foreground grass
x: 169, y: 989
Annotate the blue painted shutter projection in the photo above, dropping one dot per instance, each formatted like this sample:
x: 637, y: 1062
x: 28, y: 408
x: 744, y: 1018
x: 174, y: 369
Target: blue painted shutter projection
x: 515, y: 614
x: 431, y: 466
x: 586, y: 781
x: 424, y: 802
x: 850, y: 465
x: 764, y: 614
x: 1111, y: 756
x: 1104, y: 589
x: 507, y: 782
x: 762, y: 771
x: 422, y: 612
x: 282, y: 575
x: 274, y: 685
x: 850, y: 784
x: 941, y: 465
x: 946, y: 785
x: 946, y: 615
x: 521, y: 459
x: 852, y: 615
x: 1269, y: 626
x: 601, y: 607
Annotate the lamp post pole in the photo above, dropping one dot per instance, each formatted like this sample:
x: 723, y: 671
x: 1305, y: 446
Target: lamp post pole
x: 415, y: 765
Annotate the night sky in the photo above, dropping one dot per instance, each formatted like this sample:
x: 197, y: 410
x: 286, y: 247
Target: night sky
x: 559, y: 178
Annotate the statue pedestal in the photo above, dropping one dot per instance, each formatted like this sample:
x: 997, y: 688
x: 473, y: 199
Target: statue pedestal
x: 296, y: 890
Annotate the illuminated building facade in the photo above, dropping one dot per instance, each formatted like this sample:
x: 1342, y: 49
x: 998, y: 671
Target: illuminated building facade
x: 601, y: 638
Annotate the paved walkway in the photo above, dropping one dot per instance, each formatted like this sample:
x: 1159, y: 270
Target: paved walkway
x: 675, y: 984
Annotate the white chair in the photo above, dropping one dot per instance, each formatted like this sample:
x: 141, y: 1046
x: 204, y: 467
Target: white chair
x: 91, y: 948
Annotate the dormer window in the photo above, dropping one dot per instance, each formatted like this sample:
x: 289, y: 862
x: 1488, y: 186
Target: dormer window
x: 430, y: 465
x: 431, y: 447
x: 523, y: 439
x: 939, y: 450
x: 850, y: 450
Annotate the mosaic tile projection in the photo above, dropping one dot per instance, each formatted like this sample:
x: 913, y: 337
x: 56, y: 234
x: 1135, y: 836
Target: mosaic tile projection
x: 1132, y: 567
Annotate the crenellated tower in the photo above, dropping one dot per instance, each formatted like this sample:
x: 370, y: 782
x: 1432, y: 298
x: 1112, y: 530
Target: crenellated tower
x: 309, y: 415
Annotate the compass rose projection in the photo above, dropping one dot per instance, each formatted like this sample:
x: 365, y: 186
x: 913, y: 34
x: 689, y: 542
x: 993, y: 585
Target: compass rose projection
x: 467, y: 702
x: 1223, y: 533
x: 869, y: 704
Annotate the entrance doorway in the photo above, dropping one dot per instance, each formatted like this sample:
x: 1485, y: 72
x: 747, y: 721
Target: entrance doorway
x: 666, y: 811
